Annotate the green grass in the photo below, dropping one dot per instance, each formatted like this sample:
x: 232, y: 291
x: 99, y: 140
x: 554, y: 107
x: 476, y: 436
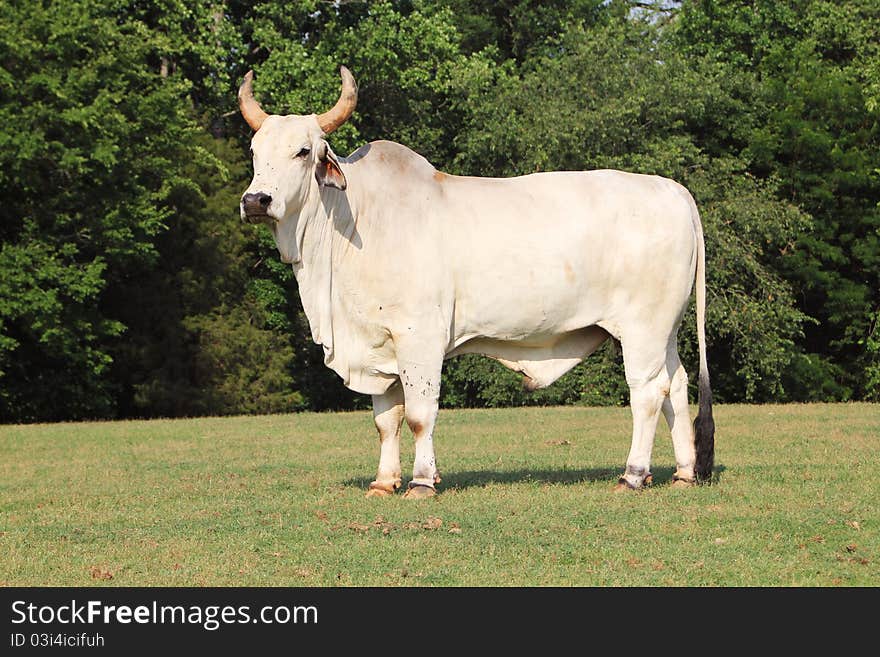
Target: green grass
x: 525, y: 500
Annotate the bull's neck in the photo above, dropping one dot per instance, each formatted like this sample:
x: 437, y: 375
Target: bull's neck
x: 326, y: 228
x: 325, y: 234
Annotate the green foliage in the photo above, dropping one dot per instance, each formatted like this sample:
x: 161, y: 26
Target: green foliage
x: 472, y: 381
x: 89, y: 161
x: 514, y: 29
x: 403, y: 62
x: 814, y: 130
x: 751, y: 315
x: 872, y: 371
x: 197, y: 326
x: 128, y: 285
x: 241, y: 368
x: 52, y: 365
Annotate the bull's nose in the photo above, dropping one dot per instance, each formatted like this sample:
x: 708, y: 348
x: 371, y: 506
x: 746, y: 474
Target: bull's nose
x: 256, y: 205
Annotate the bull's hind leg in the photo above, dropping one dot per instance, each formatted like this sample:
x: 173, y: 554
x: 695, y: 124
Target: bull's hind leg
x: 649, y: 384
x: 388, y: 415
x: 677, y: 413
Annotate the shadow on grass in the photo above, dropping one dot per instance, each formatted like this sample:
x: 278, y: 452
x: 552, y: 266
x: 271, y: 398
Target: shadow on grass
x: 565, y: 476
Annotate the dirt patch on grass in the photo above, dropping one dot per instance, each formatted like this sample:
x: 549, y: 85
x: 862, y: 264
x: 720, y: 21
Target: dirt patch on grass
x: 381, y: 525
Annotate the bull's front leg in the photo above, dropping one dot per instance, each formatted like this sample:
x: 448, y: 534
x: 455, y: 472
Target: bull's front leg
x: 420, y: 378
x: 388, y: 416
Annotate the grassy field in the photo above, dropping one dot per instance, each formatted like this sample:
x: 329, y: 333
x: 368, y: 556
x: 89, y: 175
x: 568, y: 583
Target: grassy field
x: 525, y: 500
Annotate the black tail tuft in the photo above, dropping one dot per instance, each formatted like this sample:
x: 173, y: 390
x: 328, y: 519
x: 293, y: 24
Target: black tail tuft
x: 704, y: 434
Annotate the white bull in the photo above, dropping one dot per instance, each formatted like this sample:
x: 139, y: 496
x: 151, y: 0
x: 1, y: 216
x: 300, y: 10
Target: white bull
x: 401, y: 266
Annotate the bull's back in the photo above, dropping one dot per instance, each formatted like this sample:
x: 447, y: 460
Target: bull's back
x: 552, y: 252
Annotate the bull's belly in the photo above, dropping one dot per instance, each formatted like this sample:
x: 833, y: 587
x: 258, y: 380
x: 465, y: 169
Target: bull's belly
x: 541, y: 359
x: 530, y: 315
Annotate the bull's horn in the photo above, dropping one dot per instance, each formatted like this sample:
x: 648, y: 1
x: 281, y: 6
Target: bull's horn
x: 339, y: 113
x: 250, y: 108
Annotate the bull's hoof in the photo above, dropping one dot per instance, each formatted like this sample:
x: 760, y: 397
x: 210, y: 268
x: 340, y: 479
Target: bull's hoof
x: 682, y: 483
x: 419, y: 492
x: 379, y: 492
x: 383, y: 489
x: 623, y: 485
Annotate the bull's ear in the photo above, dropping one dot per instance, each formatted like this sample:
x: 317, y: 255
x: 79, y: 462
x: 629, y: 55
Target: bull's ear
x: 327, y: 170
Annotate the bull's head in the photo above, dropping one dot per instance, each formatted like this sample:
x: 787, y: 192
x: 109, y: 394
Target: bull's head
x: 291, y: 158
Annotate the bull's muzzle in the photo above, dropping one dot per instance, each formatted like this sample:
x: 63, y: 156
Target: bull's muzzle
x: 255, y: 207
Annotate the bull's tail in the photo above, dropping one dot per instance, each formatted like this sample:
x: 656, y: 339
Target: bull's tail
x: 704, y: 425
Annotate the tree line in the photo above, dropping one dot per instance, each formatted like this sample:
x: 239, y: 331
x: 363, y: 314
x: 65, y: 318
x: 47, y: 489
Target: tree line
x: 130, y: 288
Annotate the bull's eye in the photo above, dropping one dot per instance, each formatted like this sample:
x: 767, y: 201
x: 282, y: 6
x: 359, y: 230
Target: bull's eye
x: 305, y: 150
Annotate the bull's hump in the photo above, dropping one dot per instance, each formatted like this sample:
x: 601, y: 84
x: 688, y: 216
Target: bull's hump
x: 397, y: 158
